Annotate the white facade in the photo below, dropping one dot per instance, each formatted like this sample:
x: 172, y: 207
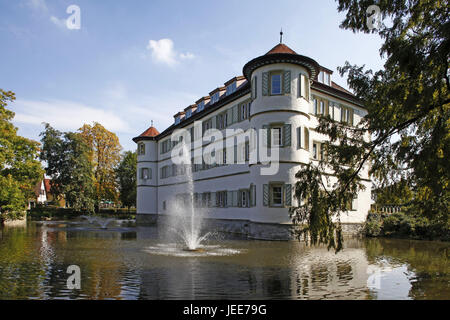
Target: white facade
x: 250, y: 195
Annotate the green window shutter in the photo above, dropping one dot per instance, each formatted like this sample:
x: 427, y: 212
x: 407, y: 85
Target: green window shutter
x: 216, y: 120
x: 300, y: 85
x: 235, y: 198
x: 252, y: 95
x: 299, y: 137
x: 229, y: 198
x: 265, y: 84
x: 287, y: 135
x: 265, y: 195
x: 229, y: 117
x: 235, y: 113
x: 306, y: 139
x: 264, y: 135
x: 287, y: 82
x: 239, y: 198
x: 288, y: 195
x: 235, y: 153
x: 252, y: 195
x: 213, y: 199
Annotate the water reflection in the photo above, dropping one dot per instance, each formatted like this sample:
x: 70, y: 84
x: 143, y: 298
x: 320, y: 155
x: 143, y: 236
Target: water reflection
x: 116, y: 265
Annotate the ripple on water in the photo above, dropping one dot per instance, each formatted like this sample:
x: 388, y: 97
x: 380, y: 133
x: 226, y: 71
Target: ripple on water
x: 176, y: 250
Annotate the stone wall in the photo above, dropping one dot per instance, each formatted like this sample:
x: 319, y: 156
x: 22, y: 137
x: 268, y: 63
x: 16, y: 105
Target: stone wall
x: 249, y: 229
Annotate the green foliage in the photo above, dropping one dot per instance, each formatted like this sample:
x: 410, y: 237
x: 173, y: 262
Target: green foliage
x: 68, y: 163
x: 20, y: 169
x: 405, y: 135
x: 126, y: 178
x: 406, y: 225
x: 399, y: 193
x: 41, y: 212
x: 104, y: 155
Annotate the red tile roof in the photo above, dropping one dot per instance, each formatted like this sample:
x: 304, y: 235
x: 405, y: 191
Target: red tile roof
x: 281, y: 48
x: 336, y: 86
x: 47, y: 185
x: 150, y: 132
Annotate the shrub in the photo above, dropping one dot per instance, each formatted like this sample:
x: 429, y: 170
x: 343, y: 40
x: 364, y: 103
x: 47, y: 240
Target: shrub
x: 405, y: 225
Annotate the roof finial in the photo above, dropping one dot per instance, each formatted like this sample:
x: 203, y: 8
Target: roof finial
x: 281, y: 35
x: 152, y: 123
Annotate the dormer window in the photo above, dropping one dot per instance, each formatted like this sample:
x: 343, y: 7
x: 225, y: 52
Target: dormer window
x: 324, y: 77
x: 188, y: 113
x: 231, y: 88
x: 177, y: 120
x: 201, y: 106
x: 215, y: 98
x: 321, y: 76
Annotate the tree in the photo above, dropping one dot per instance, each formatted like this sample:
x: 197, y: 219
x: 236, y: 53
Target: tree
x: 20, y: 168
x: 104, y: 155
x: 408, y: 119
x: 68, y: 163
x: 126, y: 178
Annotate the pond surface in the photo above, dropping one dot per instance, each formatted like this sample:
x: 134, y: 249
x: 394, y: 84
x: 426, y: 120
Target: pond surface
x: 129, y: 262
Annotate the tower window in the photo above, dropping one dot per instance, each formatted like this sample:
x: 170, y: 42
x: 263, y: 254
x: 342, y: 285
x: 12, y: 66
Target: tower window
x: 276, y: 195
x: 141, y: 149
x: 277, y: 136
x: 275, y: 84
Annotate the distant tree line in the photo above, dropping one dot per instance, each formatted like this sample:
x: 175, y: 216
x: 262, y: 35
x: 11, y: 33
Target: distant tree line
x: 86, y: 167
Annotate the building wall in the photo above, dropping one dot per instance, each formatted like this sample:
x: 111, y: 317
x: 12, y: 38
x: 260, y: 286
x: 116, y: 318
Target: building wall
x: 265, y: 110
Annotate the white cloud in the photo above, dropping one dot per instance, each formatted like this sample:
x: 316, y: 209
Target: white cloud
x: 37, y: 5
x: 163, y: 52
x: 65, y: 115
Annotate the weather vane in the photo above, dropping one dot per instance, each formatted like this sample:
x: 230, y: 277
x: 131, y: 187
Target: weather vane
x: 281, y: 35
x: 152, y: 122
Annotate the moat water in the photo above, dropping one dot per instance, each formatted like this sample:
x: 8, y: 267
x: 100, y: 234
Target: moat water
x: 129, y: 262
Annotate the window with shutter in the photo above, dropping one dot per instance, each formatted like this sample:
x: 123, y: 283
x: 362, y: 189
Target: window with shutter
x: 299, y: 137
x: 287, y: 134
x: 235, y: 198
x: 277, y: 136
x: 265, y: 136
x: 355, y: 203
x: 287, y: 82
x: 229, y: 117
x: 253, y: 195
x: 288, y: 195
x: 307, y: 139
x: 276, y: 83
x: 265, y: 195
x: 235, y: 113
x: 229, y: 198
x: 265, y: 84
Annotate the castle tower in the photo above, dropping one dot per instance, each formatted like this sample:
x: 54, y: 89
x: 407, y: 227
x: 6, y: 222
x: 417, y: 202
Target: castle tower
x: 280, y: 90
x: 147, y: 173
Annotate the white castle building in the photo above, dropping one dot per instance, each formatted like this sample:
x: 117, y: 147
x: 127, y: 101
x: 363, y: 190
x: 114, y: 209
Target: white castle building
x: 279, y: 97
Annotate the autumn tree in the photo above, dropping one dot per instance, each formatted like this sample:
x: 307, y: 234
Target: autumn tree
x: 104, y: 155
x: 20, y: 168
x: 126, y: 179
x: 408, y: 106
x: 67, y: 158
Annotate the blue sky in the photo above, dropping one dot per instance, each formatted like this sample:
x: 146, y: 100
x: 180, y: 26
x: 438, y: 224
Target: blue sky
x: 136, y: 61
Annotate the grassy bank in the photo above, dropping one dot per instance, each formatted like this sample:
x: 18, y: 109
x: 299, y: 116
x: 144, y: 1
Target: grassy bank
x: 55, y: 213
x: 402, y: 225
